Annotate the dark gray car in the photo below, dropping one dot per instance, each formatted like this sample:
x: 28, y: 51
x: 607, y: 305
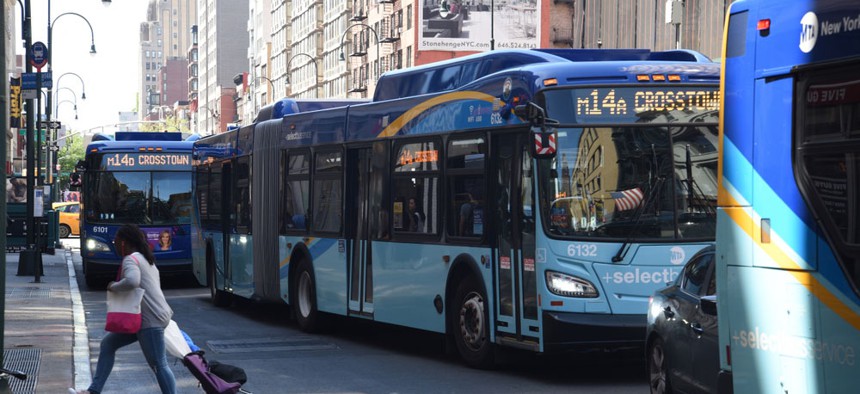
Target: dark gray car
x: 682, y: 339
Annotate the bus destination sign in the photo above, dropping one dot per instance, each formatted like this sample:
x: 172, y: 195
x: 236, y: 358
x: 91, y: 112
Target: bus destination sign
x: 634, y: 104
x: 146, y: 161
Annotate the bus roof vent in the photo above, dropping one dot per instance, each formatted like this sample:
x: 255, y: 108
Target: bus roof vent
x: 147, y: 136
x: 102, y: 137
x: 598, y: 55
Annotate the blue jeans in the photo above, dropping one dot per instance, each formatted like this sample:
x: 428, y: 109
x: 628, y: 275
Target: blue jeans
x: 151, y: 343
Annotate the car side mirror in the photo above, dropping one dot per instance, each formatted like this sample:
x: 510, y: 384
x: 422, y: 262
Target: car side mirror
x: 708, y: 305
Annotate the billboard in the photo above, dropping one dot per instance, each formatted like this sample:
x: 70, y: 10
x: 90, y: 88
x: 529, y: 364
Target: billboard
x: 464, y: 25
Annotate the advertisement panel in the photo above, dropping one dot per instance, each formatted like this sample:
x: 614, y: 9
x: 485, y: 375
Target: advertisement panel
x: 460, y: 25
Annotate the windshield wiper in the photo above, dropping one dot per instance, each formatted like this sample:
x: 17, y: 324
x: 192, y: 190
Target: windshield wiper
x: 625, y: 246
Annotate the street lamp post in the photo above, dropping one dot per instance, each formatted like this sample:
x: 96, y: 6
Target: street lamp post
x: 375, y: 35
x: 316, y: 71
x: 83, y: 87
x: 257, y: 83
x: 75, y: 106
x: 51, y: 23
x: 57, y: 98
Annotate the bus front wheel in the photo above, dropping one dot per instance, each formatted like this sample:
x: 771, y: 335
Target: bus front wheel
x: 471, y: 325
x: 304, y: 298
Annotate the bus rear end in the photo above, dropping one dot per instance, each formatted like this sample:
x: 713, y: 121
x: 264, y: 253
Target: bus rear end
x: 788, y: 270
x: 137, y: 180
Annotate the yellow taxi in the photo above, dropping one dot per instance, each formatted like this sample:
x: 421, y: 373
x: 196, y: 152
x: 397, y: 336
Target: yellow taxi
x: 70, y: 217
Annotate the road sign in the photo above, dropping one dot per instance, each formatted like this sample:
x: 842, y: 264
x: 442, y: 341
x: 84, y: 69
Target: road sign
x: 38, y: 56
x: 54, y: 124
x: 28, y: 80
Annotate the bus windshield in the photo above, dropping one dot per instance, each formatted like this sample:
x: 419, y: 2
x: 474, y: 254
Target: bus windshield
x: 651, y: 176
x: 144, y: 198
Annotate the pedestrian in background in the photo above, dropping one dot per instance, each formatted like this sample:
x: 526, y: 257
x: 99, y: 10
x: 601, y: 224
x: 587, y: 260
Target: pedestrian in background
x: 138, y: 270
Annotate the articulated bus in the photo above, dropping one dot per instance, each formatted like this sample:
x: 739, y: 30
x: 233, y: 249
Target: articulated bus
x: 788, y: 227
x: 531, y: 199
x: 142, y: 178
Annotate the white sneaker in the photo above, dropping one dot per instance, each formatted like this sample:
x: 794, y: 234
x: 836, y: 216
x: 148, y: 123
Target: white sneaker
x: 73, y: 391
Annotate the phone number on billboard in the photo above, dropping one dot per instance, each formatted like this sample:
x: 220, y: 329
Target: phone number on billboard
x: 517, y: 45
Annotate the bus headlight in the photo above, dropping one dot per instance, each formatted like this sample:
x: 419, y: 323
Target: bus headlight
x: 97, y: 246
x: 569, y: 286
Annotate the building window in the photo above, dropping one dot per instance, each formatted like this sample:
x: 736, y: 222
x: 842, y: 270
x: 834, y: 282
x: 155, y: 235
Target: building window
x: 409, y: 56
x: 409, y: 17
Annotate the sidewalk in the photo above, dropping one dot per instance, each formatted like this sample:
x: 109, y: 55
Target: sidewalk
x: 48, y: 338
x: 40, y: 325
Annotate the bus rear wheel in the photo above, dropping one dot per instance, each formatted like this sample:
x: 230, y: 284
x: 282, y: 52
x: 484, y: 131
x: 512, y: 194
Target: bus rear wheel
x: 470, y: 324
x: 304, y: 299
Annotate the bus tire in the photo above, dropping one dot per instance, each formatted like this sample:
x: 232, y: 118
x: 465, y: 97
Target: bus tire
x: 303, y: 298
x: 219, y: 298
x: 470, y: 325
x: 658, y: 371
x: 65, y: 231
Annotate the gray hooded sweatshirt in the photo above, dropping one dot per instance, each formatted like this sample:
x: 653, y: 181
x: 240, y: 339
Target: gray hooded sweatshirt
x: 137, y: 272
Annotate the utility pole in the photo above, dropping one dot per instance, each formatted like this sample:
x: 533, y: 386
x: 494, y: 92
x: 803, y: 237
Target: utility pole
x: 30, y: 259
x: 3, y: 126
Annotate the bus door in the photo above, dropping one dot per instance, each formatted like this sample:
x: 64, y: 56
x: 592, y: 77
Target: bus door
x: 227, y: 221
x: 359, y: 253
x: 514, y: 265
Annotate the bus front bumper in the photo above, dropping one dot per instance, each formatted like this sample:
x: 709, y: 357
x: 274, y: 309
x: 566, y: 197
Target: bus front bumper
x: 108, y: 267
x: 565, y: 331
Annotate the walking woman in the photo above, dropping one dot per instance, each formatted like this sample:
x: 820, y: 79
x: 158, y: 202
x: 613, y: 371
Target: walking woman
x: 138, y: 270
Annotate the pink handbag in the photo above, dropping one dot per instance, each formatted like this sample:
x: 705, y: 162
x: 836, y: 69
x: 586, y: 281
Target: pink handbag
x: 123, y: 309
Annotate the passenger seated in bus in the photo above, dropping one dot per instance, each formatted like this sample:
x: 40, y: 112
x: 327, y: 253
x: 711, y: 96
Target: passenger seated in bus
x: 471, y: 217
x: 415, y: 216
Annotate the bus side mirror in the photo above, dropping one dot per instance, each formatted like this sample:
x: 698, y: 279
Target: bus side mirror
x: 544, y: 137
x: 530, y: 112
x: 544, y: 145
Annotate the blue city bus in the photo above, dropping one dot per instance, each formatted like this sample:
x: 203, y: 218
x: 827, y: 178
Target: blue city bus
x: 142, y: 178
x: 530, y: 199
x: 788, y: 226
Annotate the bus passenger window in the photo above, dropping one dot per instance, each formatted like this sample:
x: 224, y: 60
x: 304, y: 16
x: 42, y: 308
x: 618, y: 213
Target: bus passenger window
x: 466, y: 185
x: 416, y: 183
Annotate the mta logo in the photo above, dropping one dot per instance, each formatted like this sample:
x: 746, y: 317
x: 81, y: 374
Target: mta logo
x: 808, y: 32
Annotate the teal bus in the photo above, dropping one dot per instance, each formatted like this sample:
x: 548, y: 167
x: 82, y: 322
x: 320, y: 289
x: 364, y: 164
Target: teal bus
x: 788, y: 224
x: 529, y: 199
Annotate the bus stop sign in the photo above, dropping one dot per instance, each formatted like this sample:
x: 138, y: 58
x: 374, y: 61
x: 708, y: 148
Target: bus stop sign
x: 38, y: 55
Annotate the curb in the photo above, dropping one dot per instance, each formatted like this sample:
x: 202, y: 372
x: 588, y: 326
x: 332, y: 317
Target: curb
x: 81, y: 351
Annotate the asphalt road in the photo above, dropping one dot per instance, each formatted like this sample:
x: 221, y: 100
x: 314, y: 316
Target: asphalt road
x: 353, y: 356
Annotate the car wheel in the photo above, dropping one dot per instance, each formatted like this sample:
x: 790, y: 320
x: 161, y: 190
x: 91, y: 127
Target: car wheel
x: 470, y: 324
x: 658, y: 372
x: 65, y: 231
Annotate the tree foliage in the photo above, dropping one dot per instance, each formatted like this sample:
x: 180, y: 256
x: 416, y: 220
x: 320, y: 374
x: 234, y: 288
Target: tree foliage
x: 169, y: 123
x: 68, y: 156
